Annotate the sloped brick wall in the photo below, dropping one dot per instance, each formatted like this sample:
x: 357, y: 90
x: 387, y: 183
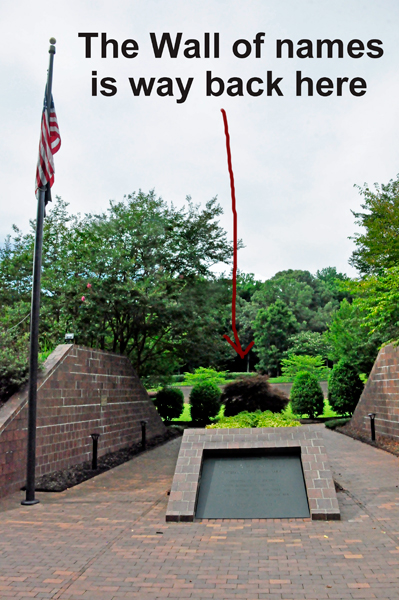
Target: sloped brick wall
x: 80, y: 391
x: 381, y: 395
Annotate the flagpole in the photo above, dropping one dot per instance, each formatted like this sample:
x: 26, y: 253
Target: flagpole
x: 34, y: 320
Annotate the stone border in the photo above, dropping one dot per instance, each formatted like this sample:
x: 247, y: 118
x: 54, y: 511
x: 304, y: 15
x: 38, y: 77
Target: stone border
x: 322, y: 498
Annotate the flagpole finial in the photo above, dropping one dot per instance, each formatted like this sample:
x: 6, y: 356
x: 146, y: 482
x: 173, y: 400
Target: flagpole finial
x: 52, y: 40
x: 52, y: 47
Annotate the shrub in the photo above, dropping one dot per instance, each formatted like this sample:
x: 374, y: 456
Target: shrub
x: 177, y: 378
x: 14, y: 363
x: 251, y: 394
x: 169, y: 402
x: 295, y: 363
x: 203, y: 374
x: 205, y: 401
x: 337, y: 423
x: 307, y: 395
x: 238, y: 375
x: 344, y: 388
x: 247, y: 419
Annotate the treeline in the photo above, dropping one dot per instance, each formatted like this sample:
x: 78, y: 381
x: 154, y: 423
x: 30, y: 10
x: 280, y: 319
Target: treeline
x: 138, y: 279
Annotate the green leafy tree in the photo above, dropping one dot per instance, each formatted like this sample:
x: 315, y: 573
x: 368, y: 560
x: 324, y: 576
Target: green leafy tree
x: 272, y: 328
x: 344, y: 388
x: 378, y: 245
x: 352, y: 339
x: 333, y: 281
x: 358, y: 329
x: 246, y: 312
x: 293, y: 290
x: 247, y: 285
x: 312, y: 300
x: 311, y: 343
x: 376, y: 297
x: 135, y: 279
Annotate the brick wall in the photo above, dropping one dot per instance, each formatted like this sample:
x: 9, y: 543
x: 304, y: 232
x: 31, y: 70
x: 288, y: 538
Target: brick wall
x: 80, y: 391
x: 381, y: 395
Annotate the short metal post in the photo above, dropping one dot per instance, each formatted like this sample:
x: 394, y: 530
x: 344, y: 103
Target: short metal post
x: 372, y: 425
x: 143, y: 434
x: 95, y: 437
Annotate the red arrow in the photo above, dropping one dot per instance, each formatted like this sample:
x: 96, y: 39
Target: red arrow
x: 237, y: 346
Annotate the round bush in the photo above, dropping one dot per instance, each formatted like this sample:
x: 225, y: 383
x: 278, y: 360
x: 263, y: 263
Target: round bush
x: 344, y: 388
x: 251, y: 394
x: 205, y: 401
x: 307, y: 395
x: 169, y: 402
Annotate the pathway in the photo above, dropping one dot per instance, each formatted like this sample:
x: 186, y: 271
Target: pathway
x: 107, y: 539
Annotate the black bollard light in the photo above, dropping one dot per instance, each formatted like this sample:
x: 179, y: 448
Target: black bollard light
x: 143, y: 434
x: 95, y: 437
x: 372, y: 425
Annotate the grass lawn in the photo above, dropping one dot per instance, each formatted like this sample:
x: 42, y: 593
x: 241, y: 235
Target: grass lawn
x: 328, y: 412
x: 186, y: 415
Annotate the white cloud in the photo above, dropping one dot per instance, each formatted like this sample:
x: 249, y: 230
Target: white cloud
x: 295, y: 159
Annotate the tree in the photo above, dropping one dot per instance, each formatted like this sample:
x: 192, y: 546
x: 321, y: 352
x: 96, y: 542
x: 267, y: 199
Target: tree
x: 291, y: 288
x: 357, y: 331
x: 311, y: 343
x: 333, y: 281
x: 272, y: 328
x: 135, y: 279
x: 312, y: 300
x: 351, y: 339
x: 378, y: 247
x: 247, y: 285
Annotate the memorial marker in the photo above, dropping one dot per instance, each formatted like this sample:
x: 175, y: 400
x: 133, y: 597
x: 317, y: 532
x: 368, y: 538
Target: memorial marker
x: 252, y: 487
x: 261, y: 473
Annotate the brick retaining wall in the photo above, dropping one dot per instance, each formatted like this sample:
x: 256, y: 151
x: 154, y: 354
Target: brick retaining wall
x: 381, y: 395
x: 80, y: 391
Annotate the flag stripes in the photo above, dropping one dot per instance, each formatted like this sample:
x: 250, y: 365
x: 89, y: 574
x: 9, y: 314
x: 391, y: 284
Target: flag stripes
x: 50, y: 143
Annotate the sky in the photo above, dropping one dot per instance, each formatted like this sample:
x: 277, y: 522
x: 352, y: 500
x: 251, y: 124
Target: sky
x: 295, y: 158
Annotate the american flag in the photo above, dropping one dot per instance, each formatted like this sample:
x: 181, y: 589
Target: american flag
x: 50, y: 143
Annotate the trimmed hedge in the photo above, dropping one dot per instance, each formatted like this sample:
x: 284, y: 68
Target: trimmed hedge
x: 251, y: 394
x: 306, y: 395
x: 337, y: 423
x: 169, y: 402
x: 344, y: 388
x: 205, y: 401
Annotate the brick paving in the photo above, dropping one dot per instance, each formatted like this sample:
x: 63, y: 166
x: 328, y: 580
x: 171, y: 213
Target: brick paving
x: 108, y: 539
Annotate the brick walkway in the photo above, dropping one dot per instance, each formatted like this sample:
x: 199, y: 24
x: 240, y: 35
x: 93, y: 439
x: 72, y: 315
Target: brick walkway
x: 107, y: 538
